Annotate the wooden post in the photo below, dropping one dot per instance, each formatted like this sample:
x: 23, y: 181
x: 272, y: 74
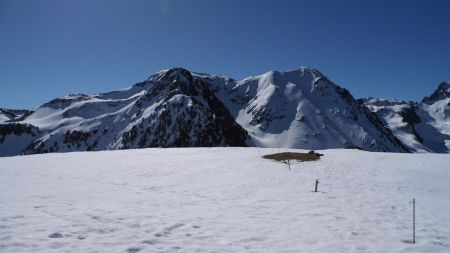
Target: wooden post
x: 317, y: 183
x: 414, y: 220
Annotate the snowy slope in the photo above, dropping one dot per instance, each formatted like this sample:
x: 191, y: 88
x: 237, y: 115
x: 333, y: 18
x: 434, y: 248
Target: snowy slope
x: 223, y: 200
x: 303, y: 109
x: 438, y: 107
x: 4, y: 116
x: 423, y: 127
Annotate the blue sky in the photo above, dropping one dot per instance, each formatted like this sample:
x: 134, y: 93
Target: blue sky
x: 398, y: 49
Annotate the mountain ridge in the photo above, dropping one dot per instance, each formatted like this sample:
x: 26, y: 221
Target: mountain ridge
x: 423, y: 126
x: 300, y: 108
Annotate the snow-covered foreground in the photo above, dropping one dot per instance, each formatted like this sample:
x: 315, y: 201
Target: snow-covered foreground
x: 223, y: 200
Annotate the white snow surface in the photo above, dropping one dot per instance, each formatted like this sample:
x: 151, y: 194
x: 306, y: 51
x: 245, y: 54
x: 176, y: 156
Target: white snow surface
x: 3, y: 117
x: 223, y: 200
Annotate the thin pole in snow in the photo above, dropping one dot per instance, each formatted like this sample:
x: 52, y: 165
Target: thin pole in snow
x: 414, y: 220
x: 317, y: 183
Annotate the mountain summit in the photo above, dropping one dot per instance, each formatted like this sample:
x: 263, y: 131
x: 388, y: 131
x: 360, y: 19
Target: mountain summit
x: 424, y: 126
x: 442, y: 92
x: 301, y: 108
x: 304, y: 109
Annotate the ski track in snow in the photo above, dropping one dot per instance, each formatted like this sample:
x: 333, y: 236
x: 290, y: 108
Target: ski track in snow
x: 223, y: 200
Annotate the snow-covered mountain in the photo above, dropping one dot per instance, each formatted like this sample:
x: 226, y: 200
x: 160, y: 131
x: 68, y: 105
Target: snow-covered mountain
x: 303, y: 109
x: 7, y: 114
x: 170, y: 109
x: 424, y: 126
x: 177, y: 108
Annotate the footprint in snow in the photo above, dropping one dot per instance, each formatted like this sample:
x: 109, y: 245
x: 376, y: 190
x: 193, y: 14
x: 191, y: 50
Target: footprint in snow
x: 175, y: 226
x: 81, y: 237
x: 15, y: 217
x: 168, y: 230
x: 150, y: 242
x: 56, y: 235
x: 254, y: 239
x: 133, y: 250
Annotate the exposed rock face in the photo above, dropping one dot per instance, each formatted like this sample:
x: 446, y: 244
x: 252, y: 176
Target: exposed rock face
x: 186, y: 114
x: 15, y: 137
x: 410, y: 117
x: 16, y: 129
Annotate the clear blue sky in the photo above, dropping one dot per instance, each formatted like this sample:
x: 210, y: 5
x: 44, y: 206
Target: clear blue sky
x: 397, y: 49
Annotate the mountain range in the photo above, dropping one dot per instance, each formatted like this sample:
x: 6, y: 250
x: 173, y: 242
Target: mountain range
x: 301, y: 108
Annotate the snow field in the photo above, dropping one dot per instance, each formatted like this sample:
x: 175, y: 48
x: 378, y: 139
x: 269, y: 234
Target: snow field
x: 223, y: 200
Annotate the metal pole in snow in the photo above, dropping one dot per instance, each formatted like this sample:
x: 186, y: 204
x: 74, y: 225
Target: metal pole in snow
x: 414, y: 220
x: 317, y: 183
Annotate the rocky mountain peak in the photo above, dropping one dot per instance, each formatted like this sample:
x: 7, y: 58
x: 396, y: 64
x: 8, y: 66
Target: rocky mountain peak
x: 174, y: 75
x: 442, y: 92
x: 445, y: 85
